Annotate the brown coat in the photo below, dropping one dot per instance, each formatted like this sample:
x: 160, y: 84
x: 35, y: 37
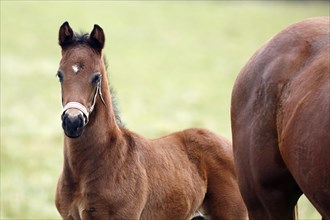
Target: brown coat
x: 280, y: 116
x: 112, y: 173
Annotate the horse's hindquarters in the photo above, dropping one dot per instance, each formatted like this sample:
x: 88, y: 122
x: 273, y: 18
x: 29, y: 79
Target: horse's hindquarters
x: 259, y: 166
x: 304, y: 125
x: 280, y: 122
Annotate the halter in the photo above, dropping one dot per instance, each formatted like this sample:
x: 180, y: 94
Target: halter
x: 82, y: 108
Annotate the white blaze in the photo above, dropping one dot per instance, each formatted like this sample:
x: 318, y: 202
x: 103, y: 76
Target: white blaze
x: 75, y: 68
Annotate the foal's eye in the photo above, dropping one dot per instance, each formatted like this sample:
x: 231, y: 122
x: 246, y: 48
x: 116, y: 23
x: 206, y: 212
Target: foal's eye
x: 96, y: 79
x: 60, y: 76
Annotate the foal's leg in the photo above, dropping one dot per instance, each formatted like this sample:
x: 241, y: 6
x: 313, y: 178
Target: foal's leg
x: 223, y: 199
x: 213, y: 157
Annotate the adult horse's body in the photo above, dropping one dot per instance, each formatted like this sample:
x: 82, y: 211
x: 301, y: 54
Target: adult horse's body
x: 112, y: 173
x: 280, y: 114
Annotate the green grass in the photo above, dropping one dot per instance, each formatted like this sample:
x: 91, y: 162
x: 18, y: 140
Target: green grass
x: 172, y: 64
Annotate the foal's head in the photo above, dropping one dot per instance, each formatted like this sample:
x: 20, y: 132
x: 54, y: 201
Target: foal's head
x: 80, y: 76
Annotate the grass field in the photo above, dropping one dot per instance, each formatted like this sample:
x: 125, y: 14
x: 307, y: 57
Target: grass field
x: 173, y: 65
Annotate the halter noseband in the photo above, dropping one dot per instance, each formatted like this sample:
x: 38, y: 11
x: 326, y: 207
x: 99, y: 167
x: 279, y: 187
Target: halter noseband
x: 81, y: 107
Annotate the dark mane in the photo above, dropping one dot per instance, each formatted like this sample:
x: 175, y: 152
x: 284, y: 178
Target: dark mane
x: 114, y: 100
x: 81, y: 38
x: 115, y: 107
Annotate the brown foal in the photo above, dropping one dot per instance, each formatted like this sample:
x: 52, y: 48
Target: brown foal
x: 112, y: 173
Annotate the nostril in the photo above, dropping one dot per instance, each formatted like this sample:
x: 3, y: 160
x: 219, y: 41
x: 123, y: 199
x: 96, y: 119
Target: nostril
x: 73, y: 125
x: 64, y: 117
x: 81, y: 120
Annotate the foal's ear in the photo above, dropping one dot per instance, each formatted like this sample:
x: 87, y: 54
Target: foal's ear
x: 97, y: 37
x: 66, y: 35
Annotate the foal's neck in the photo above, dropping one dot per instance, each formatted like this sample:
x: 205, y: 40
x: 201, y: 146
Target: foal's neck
x: 101, y: 134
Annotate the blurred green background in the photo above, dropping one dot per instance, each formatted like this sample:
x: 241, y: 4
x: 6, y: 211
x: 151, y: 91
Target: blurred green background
x: 173, y: 65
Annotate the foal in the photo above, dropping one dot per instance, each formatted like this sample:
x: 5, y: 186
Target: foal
x: 112, y: 173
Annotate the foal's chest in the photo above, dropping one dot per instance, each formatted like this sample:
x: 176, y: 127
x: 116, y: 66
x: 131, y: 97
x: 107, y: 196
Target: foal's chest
x: 83, y: 208
x: 78, y: 209
x: 99, y: 206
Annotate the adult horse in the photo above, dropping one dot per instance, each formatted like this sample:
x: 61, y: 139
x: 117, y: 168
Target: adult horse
x: 280, y: 113
x: 112, y: 173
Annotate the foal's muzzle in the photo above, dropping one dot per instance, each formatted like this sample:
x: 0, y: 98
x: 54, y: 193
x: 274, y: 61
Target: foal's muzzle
x: 74, y: 119
x: 75, y: 115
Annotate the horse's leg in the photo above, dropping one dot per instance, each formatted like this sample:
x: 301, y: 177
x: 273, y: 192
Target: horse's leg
x: 310, y: 166
x: 267, y: 187
x: 304, y: 134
